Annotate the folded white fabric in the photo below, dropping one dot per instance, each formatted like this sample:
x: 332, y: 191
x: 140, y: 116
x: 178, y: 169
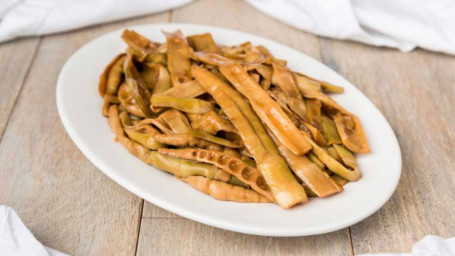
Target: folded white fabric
x: 17, y: 240
x: 428, y: 246
x: 38, y: 17
x: 402, y: 24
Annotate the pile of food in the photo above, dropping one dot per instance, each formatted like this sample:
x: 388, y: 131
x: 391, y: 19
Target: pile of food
x: 231, y: 121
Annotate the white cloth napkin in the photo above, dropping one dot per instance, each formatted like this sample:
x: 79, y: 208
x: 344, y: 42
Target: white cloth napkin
x: 17, y: 240
x: 38, y: 17
x: 428, y: 246
x: 402, y: 24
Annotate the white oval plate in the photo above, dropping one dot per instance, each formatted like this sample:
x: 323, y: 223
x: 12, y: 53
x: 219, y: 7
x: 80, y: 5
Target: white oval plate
x: 79, y: 106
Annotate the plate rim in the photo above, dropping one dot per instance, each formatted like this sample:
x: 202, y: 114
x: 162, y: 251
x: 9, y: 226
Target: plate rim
x: 99, y: 163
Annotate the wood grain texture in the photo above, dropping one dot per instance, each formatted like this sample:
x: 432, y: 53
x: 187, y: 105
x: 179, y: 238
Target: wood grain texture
x: 15, y: 60
x: 153, y: 211
x: 171, y: 236
x: 67, y: 203
x: 416, y: 93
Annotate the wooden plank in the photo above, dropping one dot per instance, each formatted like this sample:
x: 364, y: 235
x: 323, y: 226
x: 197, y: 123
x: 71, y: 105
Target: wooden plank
x: 164, y: 236
x: 159, y: 228
x: 416, y: 93
x: 153, y: 211
x: 15, y: 59
x: 66, y: 202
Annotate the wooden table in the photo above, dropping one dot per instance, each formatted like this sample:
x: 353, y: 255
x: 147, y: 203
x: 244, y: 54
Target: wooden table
x: 71, y: 206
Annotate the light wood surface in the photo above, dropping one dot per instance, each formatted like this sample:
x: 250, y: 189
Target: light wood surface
x: 15, y: 60
x: 71, y: 206
x: 177, y: 236
x: 65, y: 201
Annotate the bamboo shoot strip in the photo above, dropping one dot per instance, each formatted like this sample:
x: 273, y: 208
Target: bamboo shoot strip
x: 127, y: 101
x: 265, y: 71
x: 111, y: 78
x: 224, y: 191
x: 286, y: 81
x: 175, y: 120
x: 286, y: 190
x: 351, y: 133
x: 313, y: 158
x: 230, y: 164
x: 203, y: 42
x: 139, y: 43
x: 312, y: 176
x: 314, y: 112
x: 325, y: 85
x: 185, y: 168
x: 178, y: 58
x: 185, y: 140
x: 208, y: 137
x: 163, y: 79
x: 137, y: 87
x: 139, y: 97
x: 212, y: 123
x: 348, y: 125
x: 189, y: 89
x: 211, y: 58
x: 333, y: 165
x: 188, y: 105
x: 339, y: 180
x: 309, y: 90
x: 316, y: 134
x: 333, y: 153
x: 346, y: 156
x: 176, y: 166
x: 108, y: 100
x: 267, y: 109
x: 329, y: 131
x: 142, y: 133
